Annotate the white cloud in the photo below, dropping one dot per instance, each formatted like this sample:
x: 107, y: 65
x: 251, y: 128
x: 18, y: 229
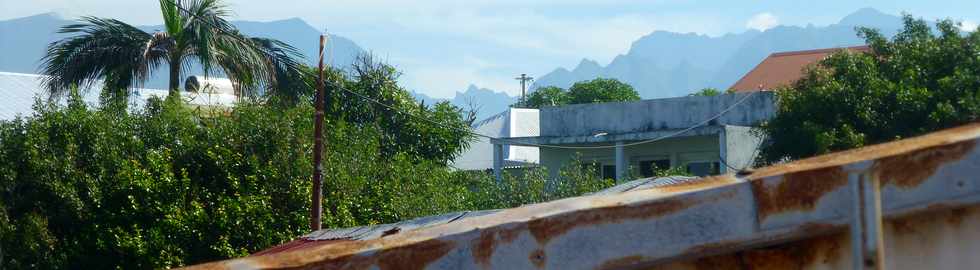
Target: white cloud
x: 762, y: 21
x: 968, y: 26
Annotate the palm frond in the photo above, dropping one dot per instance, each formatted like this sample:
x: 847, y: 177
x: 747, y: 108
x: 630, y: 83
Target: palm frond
x: 101, y: 49
x: 205, y: 27
x: 284, y: 74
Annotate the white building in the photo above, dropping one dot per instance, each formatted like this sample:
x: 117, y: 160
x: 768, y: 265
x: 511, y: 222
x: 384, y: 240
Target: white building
x: 19, y: 90
x: 514, y: 122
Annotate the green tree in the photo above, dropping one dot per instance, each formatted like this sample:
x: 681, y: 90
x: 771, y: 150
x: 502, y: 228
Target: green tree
x: 601, y: 90
x: 595, y: 91
x: 546, y: 96
x: 435, y: 132
x: 707, y: 92
x: 124, y: 56
x: 916, y: 82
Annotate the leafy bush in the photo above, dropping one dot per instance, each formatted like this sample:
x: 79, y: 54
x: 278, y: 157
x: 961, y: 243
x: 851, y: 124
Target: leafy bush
x: 166, y: 186
x: 595, y: 91
x: 916, y: 82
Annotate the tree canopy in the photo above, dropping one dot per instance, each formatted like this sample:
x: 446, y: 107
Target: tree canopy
x: 707, y: 92
x: 922, y: 79
x: 595, y: 91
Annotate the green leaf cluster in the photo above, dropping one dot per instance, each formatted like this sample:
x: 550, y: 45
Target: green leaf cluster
x: 595, y: 91
x: 923, y: 79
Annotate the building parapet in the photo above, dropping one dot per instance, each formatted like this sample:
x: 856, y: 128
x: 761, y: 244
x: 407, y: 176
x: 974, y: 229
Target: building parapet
x: 656, y: 114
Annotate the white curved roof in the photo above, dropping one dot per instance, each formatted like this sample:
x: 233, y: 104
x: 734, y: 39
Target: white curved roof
x: 18, y: 91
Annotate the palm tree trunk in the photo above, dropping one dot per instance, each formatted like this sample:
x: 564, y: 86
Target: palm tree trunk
x: 174, y: 75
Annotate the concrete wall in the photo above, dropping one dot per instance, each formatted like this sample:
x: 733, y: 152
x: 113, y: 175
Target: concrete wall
x: 511, y: 123
x: 655, y: 114
x: 522, y: 123
x: 679, y: 151
x: 741, y: 146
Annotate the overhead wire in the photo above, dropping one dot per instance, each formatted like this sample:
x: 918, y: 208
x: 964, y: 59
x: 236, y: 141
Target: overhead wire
x: 506, y: 140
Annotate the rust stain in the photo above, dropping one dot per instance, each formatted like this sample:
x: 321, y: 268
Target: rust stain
x: 537, y: 258
x: 483, y: 247
x: 910, y: 170
x: 725, y: 262
x: 414, y: 257
x: 712, y: 248
x: 797, y: 191
x: 410, y: 257
x: 620, y: 263
x: 819, y: 250
x: 507, y: 236
x: 914, y: 223
x: 795, y: 255
x: 901, y: 226
x: 956, y: 216
x: 544, y: 229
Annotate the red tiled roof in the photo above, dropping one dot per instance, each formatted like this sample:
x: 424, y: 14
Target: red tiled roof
x: 784, y: 68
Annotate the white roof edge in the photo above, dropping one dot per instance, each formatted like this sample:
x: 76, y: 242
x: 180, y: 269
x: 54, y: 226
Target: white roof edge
x: 22, y: 74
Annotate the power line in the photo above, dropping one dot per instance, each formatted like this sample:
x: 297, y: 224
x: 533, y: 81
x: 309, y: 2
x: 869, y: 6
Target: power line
x: 511, y: 142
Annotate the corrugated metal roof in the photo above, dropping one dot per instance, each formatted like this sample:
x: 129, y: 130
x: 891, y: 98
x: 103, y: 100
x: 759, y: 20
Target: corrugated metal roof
x: 784, y: 68
x: 363, y: 233
x: 19, y: 90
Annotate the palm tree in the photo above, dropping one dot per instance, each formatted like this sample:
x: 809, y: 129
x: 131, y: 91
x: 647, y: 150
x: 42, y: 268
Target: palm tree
x: 124, y: 56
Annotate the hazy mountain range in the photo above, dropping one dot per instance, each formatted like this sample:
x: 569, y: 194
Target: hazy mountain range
x: 665, y: 64
x: 660, y: 64
x: 485, y: 101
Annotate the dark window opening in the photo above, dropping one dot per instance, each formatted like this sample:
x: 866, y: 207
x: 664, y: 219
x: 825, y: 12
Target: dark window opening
x: 649, y: 167
x: 703, y: 168
x: 609, y: 171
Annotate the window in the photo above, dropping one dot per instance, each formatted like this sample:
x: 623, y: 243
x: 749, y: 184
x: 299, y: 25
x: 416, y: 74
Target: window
x: 703, y: 168
x: 609, y: 171
x: 647, y: 166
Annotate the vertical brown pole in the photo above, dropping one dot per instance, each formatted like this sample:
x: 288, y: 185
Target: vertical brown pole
x: 316, y: 210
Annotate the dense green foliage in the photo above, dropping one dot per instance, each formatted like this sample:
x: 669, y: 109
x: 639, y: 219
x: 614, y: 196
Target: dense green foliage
x: 706, y: 92
x: 916, y: 82
x: 547, y: 96
x: 595, y: 91
x: 166, y: 185
x: 161, y: 187
x: 122, y: 55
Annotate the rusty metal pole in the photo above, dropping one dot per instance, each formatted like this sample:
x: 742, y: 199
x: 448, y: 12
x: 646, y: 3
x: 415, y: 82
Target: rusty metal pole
x: 316, y: 209
x: 867, y: 241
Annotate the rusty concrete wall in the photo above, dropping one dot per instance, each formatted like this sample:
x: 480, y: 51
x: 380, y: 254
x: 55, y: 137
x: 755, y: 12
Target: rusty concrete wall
x: 937, y: 239
x: 930, y: 192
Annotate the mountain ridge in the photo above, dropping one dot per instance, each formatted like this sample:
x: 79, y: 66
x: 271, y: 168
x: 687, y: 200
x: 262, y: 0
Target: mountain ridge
x: 666, y: 64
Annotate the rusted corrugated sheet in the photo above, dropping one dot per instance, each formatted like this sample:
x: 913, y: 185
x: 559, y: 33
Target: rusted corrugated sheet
x: 790, y: 216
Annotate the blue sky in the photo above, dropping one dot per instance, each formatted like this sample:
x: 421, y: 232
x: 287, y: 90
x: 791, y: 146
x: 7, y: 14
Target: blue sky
x: 443, y: 46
